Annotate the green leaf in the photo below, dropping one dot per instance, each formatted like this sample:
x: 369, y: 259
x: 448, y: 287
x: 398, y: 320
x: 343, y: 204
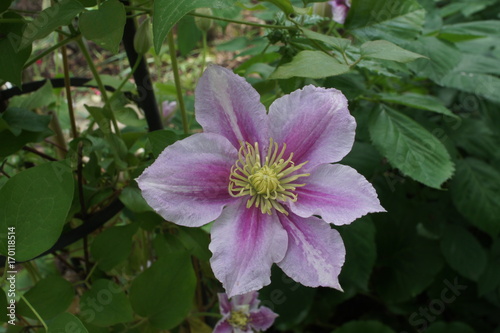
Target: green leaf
x: 489, y: 281
x: 365, y: 158
x: 159, y: 140
x: 470, y: 30
x: 382, y: 49
x: 371, y: 326
x: 188, y: 35
x: 42, y: 97
x: 284, y: 5
x: 113, y: 246
x: 129, y: 117
x: 196, y: 241
x: 340, y: 44
x: 49, y: 297
x: 105, y: 304
x: 283, y: 295
x: 453, y: 327
x: 50, y: 19
x: 3, y: 305
x: 66, y: 322
x: 442, y: 56
x: 310, y: 64
x: 478, y: 63
x: 418, y: 101
x: 463, y: 252
x: 361, y: 253
x: 410, y: 147
x: 478, y: 137
x: 4, y: 5
x: 409, y: 269
x: 20, y: 119
x: 13, y: 58
x: 88, y: 3
x: 132, y: 199
x: 12, y: 143
x: 475, y: 191
x: 167, y: 12
x: 164, y: 292
x: 105, y: 26
x: 392, y: 20
x: 483, y: 85
x: 36, y: 202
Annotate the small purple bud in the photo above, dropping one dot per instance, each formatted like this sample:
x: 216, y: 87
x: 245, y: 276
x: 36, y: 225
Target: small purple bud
x: 340, y: 8
x: 168, y: 109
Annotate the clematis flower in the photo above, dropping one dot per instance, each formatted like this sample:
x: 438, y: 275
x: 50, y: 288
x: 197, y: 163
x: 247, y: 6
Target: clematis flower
x: 243, y: 315
x: 340, y: 8
x: 262, y: 178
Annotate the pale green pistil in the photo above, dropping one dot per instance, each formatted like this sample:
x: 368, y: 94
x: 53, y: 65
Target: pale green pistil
x: 268, y: 183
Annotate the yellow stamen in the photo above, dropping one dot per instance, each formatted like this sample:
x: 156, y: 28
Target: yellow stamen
x: 268, y: 184
x: 238, y: 319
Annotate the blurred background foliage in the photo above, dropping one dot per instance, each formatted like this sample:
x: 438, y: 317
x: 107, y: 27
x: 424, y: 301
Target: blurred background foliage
x: 92, y: 92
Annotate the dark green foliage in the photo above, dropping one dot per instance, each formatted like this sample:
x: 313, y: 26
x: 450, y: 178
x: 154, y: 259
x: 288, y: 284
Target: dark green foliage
x: 422, y: 79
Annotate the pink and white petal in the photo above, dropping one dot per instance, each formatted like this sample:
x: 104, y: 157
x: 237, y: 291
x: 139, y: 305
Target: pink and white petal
x: 315, y: 252
x: 224, y: 304
x: 262, y: 319
x: 187, y: 184
x: 249, y: 299
x: 245, y: 243
x: 226, y: 104
x: 337, y: 193
x: 314, y: 123
x: 223, y: 327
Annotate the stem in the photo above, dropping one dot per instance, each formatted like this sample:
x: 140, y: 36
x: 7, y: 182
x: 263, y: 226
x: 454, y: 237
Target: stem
x: 139, y: 323
x: 93, y: 69
x: 49, y: 50
x: 36, y: 313
x: 129, y: 75
x: 253, y: 24
x: 175, y: 69
x: 55, y: 126
x: 97, y: 78
x: 67, y: 86
x: 356, y: 62
x: 204, y: 53
x: 32, y: 271
x: 39, y: 153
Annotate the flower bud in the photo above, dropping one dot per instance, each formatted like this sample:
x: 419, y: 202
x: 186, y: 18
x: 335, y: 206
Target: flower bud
x: 143, y: 38
x: 203, y: 23
x: 340, y: 9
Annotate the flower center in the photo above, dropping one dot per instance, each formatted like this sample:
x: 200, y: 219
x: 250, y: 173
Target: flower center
x: 268, y: 183
x: 239, y: 320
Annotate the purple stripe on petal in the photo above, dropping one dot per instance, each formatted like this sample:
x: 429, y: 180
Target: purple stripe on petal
x: 315, y: 252
x: 224, y: 305
x: 314, y: 123
x: 262, y: 318
x: 338, y: 193
x: 249, y: 299
x: 223, y: 327
x: 245, y: 243
x: 228, y: 105
x: 187, y: 184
